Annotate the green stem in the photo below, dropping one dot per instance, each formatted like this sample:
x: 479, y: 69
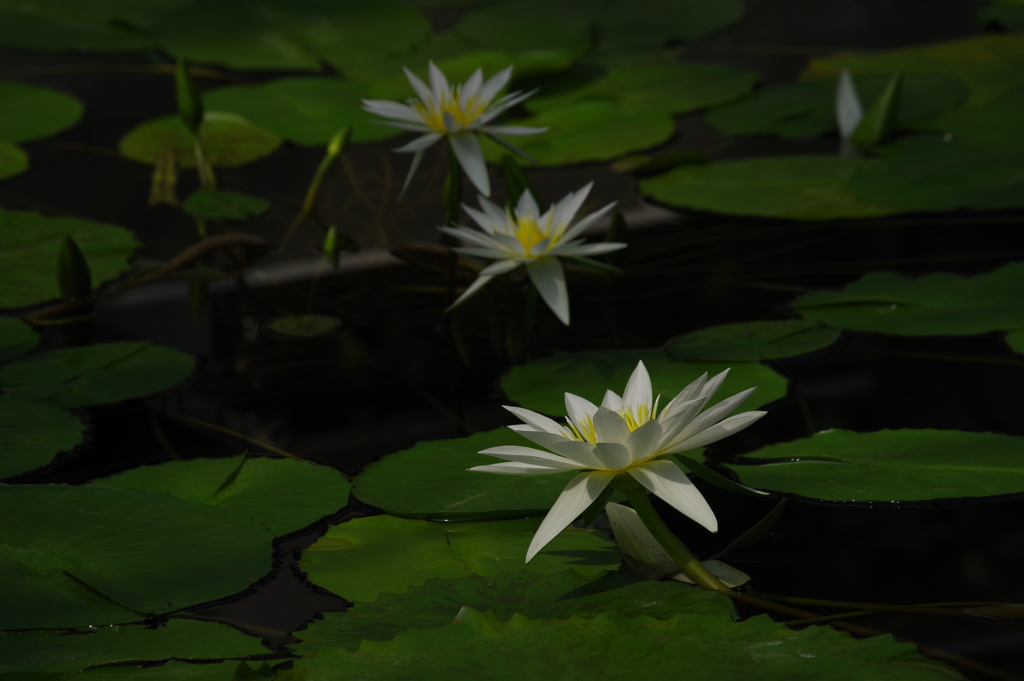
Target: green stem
x: 637, y: 495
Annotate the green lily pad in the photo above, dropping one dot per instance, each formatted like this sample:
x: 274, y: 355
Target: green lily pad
x: 29, y: 243
x: 530, y: 24
x: 932, y: 305
x: 995, y: 124
x: 33, y: 434
x: 52, y: 652
x: 930, y: 173
x: 652, y: 24
x: 31, y: 112
x: 988, y: 64
x: 1015, y: 339
x: 431, y: 480
x: 794, y: 187
x: 890, y: 465
x: 589, y: 130
x: 229, y: 140
x: 171, y: 671
x: 219, y: 204
x: 1008, y: 16
x: 657, y: 88
x: 305, y: 110
x: 13, y: 161
x: 16, y: 338
x: 95, y: 374
x: 97, y: 25
x: 81, y: 556
x: 807, y: 109
x: 291, y: 34
x: 613, y: 646
x: 557, y: 596
x: 753, y: 341
x: 541, y: 384
x: 364, y: 557
x: 283, y: 494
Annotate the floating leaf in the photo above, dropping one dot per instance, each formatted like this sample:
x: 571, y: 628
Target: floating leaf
x: 29, y: 243
x: 13, y: 161
x: 988, y: 64
x: 31, y: 112
x: 1010, y: 17
x: 95, y: 374
x: 16, y: 338
x: 657, y: 88
x: 291, y: 34
x: 81, y: 556
x: 305, y: 110
x: 33, y: 434
x: 931, y: 305
x: 65, y: 25
x: 995, y: 124
x: 219, y: 204
x: 431, y: 480
x: 229, y: 140
x: 171, y: 671
x: 540, y: 385
x: 557, y: 596
x: 589, y: 130
x: 366, y: 556
x: 926, y: 173
x: 753, y: 341
x: 807, y: 109
x: 890, y: 465
x: 52, y: 652
x: 795, y: 187
x: 647, y: 24
x: 1015, y: 339
x: 614, y: 646
x: 516, y: 25
x: 283, y: 494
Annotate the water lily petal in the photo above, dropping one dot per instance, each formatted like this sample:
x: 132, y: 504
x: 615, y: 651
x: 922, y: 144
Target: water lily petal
x: 420, y: 143
x: 472, y: 236
x: 390, y: 109
x: 477, y: 284
x: 613, y: 456
x: 501, y: 106
x: 495, y: 83
x: 549, y: 278
x: 713, y: 384
x: 566, y: 209
x: 574, y: 499
x: 516, y: 468
x: 731, y: 425
x: 538, y: 421
x: 644, y: 441
x: 485, y: 221
x: 610, y: 427
x: 470, y: 88
x: 686, y: 395
x: 611, y: 401
x: 586, y: 222
x: 416, y: 158
x: 580, y: 452
x: 500, y: 267
x: 531, y: 456
x: 712, y: 416
x: 638, y: 389
x: 527, y: 206
x: 849, y: 110
x: 581, y: 412
x: 422, y: 91
x: 583, y: 250
x: 438, y: 83
x: 674, y: 420
x: 514, y: 130
x: 467, y: 149
x: 667, y: 481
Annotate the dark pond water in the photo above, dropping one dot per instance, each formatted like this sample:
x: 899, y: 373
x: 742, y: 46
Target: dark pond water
x: 393, y: 376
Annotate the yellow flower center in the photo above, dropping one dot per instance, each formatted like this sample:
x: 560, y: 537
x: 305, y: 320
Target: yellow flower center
x: 634, y: 418
x: 462, y: 116
x: 529, y: 232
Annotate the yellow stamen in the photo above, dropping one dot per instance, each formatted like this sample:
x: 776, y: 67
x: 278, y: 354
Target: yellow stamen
x: 449, y: 103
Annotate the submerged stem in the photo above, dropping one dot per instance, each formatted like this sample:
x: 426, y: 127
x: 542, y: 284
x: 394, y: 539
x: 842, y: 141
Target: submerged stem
x: 637, y: 495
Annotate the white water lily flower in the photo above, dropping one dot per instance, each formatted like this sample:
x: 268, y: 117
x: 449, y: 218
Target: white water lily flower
x: 458, y: 113
x: 525, y: 237
x: 625, y: 435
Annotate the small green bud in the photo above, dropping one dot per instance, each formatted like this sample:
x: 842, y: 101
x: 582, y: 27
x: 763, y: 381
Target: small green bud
x: 73, y: 274
x: 879, y: 122
x: 339, y: 142
x: 330, y: 246
x: 190, y: 104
